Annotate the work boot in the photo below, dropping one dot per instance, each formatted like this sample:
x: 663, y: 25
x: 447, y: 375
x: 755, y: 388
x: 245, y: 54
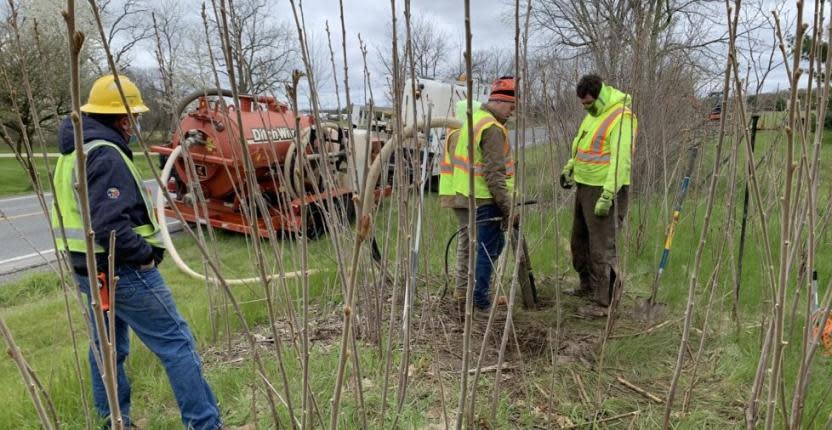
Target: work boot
x: 593, y: 311
x: 578, y: 292
x: 501, y: 301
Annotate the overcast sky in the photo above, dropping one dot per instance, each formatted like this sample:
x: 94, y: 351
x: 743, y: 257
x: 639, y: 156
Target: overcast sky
x: 492, y: 25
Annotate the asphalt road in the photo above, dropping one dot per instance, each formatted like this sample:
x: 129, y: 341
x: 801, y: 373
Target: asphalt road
x: 25, y: 242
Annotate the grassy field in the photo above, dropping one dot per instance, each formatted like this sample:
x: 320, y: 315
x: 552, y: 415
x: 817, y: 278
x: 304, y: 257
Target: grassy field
x: 14, y: 179
x: 559, y: 378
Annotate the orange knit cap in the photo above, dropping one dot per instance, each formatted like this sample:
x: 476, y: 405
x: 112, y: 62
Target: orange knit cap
x: 502, y: 89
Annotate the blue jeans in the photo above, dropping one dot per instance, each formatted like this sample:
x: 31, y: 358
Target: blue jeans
x: 143, y: 302
x: 490, y: 243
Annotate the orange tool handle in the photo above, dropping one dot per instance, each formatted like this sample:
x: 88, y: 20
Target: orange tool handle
x: 104, y: 291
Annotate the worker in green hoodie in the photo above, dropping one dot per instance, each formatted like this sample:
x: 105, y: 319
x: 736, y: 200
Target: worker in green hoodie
x: 600, y: 167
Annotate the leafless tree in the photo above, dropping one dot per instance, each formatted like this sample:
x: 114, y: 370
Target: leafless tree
x: 654, y: 50
x: 430, y: 48
x: 168, y: 19
x: 127, y: 26
x: 486, y: 64
x: 264, y: 49
x: 151, y: 83
x: 45, y: 61
x: 757, y: 48
x: 318, y: 51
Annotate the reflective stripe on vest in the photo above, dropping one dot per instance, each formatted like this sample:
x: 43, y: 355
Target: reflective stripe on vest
x: 446, y: 169
x: 598, y: 152
x: 66, y: 198
x: 445, y: 166
x: 461, y: 163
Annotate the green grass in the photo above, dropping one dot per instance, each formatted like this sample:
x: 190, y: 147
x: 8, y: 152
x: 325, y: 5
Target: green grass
x: 34, y: 309
x: 14, y: 179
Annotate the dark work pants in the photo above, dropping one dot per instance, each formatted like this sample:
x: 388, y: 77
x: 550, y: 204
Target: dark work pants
x: 490, y: 243
x: 144, y: 303
x: 593, y: 242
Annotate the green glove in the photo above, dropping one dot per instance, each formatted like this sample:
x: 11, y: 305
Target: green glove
x: 567, y: 178
x: 604, y: 203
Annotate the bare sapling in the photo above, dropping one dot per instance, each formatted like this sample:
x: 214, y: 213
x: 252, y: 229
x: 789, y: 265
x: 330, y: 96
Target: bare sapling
x: 518, y: 242
x: 472, y: 227
x: 415, y: 235
x: 713, y: 282
x: 331, y: 216
x: 810, y: 342
x: 28, y: 164
x: 257, y: 204
x: 105, y: 352
x: 694, y: 282
x: 348, y: 99
x: 776, y: 364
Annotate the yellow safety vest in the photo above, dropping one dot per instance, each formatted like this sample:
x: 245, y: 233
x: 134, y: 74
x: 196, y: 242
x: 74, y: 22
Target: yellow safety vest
x: 446, y: 167
x: 594, y: 146
x: 482, y: 121
x: 67, y: 198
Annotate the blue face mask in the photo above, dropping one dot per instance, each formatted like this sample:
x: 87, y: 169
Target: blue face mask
x: 134, y: 138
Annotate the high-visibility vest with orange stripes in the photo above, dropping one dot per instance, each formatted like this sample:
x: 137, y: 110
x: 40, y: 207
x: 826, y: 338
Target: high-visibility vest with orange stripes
x: 66, y: 198
x: 482, y: 121
x: 592, y: 150
x: 446, y: 167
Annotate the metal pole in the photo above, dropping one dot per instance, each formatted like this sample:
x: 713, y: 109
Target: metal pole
x: 754, y: 119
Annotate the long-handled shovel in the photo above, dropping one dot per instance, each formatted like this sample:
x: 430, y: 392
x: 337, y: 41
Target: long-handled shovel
x: 648, y: 309
x: 525, y: 277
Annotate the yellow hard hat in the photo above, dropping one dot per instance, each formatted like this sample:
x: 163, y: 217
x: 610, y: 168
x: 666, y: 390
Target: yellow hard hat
x: 105, y: 99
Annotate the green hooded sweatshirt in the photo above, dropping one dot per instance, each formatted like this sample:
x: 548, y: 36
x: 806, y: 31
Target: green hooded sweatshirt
x: 600, y: 158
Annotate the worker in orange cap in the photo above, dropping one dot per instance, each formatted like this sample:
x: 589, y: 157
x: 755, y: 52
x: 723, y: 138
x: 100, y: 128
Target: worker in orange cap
x: 493, y: 170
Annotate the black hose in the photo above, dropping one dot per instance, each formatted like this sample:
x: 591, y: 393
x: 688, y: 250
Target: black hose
x: 193, y: 96
x: 456, y: 233
x: 448, y: 248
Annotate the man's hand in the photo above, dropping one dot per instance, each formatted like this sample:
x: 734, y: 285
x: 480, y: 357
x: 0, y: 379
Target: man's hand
x: 567, y: 179
x: 604, y: 203
x: 512, y: 222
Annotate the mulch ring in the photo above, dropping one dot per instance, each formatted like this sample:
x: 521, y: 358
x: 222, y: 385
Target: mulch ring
x: 439, y: 329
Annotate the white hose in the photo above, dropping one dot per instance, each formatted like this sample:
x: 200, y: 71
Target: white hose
x: 160, y: 215
x: 368, y: 201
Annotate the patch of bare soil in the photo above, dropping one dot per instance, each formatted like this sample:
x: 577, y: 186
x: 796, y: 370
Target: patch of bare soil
x: 324, y: 332
x: 440, y: 326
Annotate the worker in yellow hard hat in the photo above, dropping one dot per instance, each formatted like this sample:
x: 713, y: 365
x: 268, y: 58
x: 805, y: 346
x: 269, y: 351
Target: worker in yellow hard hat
x: 120, y: 203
